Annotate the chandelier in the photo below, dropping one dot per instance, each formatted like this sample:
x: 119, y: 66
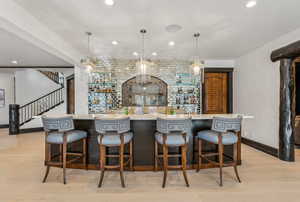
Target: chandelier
x: 144, y: 68
x: 198, y: 65
x: 89, y: 62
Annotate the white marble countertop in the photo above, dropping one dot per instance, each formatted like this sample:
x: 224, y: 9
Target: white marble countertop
x: 149, y: 116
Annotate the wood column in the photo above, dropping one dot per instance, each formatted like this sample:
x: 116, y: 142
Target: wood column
x: 14, y: 127
x: 287, y: 111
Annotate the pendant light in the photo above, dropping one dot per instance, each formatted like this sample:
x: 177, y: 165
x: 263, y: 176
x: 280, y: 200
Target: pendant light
x: 144, y: 68
x: 198, y: 65
x: 89, y: 61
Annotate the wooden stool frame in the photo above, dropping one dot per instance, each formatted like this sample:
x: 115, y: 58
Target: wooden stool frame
x: 221, y: 155
x: 121, y: 156
x: 63, y: 153
x: 165, y: 156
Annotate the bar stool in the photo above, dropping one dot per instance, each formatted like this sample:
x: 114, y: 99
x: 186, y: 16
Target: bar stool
x: 172, y: 132
x: 114, y: 133
x: 223, y: 132
x: 60, y: 131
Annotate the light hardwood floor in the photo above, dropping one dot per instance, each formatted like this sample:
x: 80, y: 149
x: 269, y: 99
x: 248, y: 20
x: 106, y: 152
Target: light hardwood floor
x: 264, y: 178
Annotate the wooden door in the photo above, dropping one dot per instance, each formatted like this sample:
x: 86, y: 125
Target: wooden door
x: 71, y: 96
x: 215, y: 93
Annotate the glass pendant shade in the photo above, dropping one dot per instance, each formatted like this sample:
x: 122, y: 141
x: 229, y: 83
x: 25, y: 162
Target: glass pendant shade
x: 197, y: 68
x: 144, y: 68
x: 89, y: 61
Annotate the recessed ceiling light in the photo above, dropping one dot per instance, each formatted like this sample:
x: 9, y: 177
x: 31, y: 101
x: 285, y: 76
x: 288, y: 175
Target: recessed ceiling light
x: 154, y: 54
x: 171, y: 43
x: 115, y: 43
x: 135, y: 54
x: 14, y: 62
x: 173, y: 28
x: 251, y: 4
x: 109, y: 2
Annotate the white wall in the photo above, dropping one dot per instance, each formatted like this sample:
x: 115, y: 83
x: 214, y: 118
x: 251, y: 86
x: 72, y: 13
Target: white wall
x: 81, y: 90
x: 31, y: 85
x: 6, y: 83
x: 257, y: 90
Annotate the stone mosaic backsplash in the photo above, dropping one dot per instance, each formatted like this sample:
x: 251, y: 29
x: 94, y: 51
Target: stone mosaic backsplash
x: 121, y: 70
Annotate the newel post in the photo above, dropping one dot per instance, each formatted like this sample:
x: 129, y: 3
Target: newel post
x: 14, y: 123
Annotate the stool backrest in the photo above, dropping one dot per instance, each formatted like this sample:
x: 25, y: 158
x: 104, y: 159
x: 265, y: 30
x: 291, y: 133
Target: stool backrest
x: 166, y: 126
x: 60, y: 124
x: 221, y: 124
x: 118, y: 125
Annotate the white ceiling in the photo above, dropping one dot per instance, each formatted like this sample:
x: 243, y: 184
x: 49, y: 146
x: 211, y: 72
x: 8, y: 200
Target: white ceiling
x: 14, y: 48
x: 228, y: 29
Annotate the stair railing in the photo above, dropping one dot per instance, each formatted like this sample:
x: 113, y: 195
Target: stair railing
x: 40, y: 105
x: 54, y: 76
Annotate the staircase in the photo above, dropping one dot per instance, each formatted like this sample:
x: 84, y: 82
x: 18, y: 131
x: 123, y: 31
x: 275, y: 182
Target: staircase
x: 40, y: 106
x: 45, y: 103
x: 54, y: 76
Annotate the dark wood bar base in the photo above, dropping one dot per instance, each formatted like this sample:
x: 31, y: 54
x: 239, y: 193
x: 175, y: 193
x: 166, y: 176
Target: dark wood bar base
x: 143, y: 146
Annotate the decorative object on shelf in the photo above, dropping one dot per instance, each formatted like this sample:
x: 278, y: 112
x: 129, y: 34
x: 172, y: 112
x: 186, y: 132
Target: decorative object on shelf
x: 89, y: 61
x: 144, y: 68
x: 102, y: 93
x: 152, y: 93
x: 2, y: 98
x: 185, y: 95
x: 198, y: 65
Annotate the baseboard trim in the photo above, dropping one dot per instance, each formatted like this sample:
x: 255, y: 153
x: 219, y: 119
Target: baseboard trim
x: 4, y: 126
x: 31, y: 130
x: 261, y: 147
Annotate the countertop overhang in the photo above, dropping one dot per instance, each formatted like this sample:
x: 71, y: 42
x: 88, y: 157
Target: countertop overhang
x: 150, y: 116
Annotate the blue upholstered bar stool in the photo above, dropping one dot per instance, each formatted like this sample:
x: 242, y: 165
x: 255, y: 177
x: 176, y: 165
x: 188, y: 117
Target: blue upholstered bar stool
x: 114, y: 133
x: 172, y: 132
x: 60, y: 131
x: 224, y: 131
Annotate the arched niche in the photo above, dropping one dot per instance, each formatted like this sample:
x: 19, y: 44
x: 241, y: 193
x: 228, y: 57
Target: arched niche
x: 152, y: 93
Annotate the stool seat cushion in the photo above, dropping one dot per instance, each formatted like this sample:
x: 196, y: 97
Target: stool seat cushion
x: 114, y: 139
x: 72, y: 136
x: 173, y: 140
x: 228, y: 138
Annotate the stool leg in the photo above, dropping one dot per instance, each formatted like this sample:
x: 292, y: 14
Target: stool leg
x: 156, y: 156
x: 235, y: 162
x: 48, y: 158
x: 84, y: 152
x: 165, y: 159
x: 220, y: 148
x: 61, y: 154
x: 121, y: 160
x: 183, y: 162
x: 102, y: 163
x: 199, y: 154
x: 131, y: 155
x: 46, y: 174
x: 64, y: 161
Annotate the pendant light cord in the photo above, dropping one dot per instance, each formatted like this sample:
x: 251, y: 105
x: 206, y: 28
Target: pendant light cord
x: 89, y: 34
x: 143, y: 32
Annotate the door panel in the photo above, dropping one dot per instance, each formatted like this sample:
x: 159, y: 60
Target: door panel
x: 215, y: 93
x: 71, y: 96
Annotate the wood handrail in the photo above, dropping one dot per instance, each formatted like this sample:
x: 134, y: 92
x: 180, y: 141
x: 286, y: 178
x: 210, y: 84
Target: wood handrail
x: 41, y: 97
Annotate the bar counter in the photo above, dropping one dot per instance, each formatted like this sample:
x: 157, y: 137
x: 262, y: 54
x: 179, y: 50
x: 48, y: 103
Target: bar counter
x: 144, y: 128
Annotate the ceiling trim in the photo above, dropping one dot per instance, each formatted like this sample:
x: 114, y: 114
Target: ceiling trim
x: 18, y: 21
